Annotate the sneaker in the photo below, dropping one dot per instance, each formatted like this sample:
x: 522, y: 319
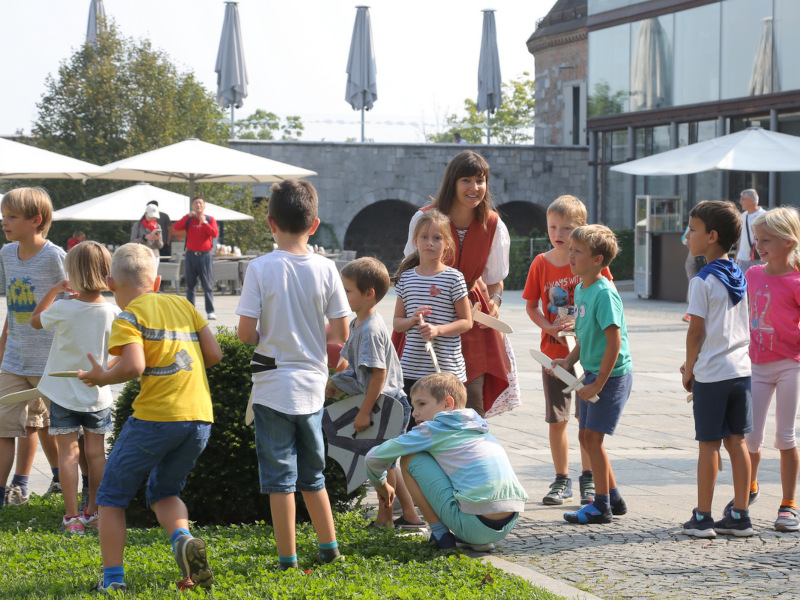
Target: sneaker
x: 619, y: 508
x: 733, y: 524
x: 14, y: 495
x: 447, y: 542
x: 72, y: 524
x: 586, y: 484
x: 54, y: 488
x: 788, y: 519
x: 190, y: 554
x: 113, y: 588
x: 474, y: 547
x: 753, y: 497
x: 699, y: 526
x: 211, y: 317
x: 84, y: 500
x: 89, y: 521
x: 588, y: 515
x: 560, y: 490
x: 401, y: 523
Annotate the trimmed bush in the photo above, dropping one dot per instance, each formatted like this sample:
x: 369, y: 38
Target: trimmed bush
x: 223, y: 487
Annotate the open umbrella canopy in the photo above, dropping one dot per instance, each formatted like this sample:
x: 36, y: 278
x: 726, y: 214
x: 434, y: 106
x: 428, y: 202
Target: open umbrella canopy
x: 362, y: 89
x: 753, y: 149
x: 129, y: 204
x: 19, y: 161
x: 194, y: 161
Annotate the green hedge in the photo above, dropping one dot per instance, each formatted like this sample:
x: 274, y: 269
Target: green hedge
x: 223, y: 487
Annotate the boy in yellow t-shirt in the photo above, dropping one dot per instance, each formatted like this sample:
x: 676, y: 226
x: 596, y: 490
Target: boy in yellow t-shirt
x: 167, y: 342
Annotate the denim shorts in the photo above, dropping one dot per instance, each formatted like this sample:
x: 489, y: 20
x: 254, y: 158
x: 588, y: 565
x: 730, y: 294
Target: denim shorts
x: 438, y: 491
x: 65, y: 420
x: 603, y: 416
x: 721, y: 409
x: 164, y: 451
x: 291, y: 451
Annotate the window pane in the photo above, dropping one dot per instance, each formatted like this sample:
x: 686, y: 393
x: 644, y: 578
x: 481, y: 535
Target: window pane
x: 787, y: 42
x: 697, y: 55
x: 598, y: 6
x: 744, y: 30
x: 609, y: 65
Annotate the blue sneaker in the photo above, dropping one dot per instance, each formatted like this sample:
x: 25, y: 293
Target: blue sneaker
x: 588, y: 515
x: 113, y: 588
x: 447, y: 542
x: 699, y: 526
x: 734, y: 524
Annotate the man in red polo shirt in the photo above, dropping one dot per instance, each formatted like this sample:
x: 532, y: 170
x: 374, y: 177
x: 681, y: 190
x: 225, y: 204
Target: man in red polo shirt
x: 201, y: 230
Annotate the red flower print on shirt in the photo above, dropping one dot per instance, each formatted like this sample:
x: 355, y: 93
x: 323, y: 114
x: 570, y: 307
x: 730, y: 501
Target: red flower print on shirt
x: 435, y: 291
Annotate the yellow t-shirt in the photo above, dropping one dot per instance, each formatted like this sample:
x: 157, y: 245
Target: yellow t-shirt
x: 174, y: 383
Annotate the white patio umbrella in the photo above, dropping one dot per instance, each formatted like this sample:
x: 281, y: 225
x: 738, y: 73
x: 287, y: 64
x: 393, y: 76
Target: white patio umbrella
x: 195, y: 161
x: 754, y: 149
x: 20, y: 161
x: 490, y: 90
x: 764, y: 77
x: 97, y: 21
x: 651, y: 70
x: 231, y: 68
x: 362, y: 90
x: 129, y: 204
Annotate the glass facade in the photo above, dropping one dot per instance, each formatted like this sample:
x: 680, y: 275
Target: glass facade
x: 719, y: 51
x: 598, y: 6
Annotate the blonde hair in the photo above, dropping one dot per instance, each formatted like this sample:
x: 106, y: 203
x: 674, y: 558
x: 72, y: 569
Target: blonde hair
x: 30, y: 202
x: 441, y: 385
x: 134, y: 264
x: 783, y: 222
x: 599, y: 239
x: 570, y: 208
x: 429, y: 217
x: 87, y: 266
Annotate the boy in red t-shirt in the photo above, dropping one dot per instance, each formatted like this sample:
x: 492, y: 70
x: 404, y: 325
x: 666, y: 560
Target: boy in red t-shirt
x: 551, y: 283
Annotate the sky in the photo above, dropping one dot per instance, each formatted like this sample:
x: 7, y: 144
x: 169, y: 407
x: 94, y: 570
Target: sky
x: 296, y: 52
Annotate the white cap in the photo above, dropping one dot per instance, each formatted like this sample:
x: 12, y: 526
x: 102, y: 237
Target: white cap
x: 152, y: 211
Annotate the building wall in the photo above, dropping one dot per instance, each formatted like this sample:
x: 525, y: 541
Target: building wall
x: 556, y: 65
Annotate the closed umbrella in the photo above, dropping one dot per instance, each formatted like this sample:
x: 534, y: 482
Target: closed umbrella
x: 651, y: 69
x: 362, y: 91
x: 97, y: 21
x: 128, y: 205
x: 490, y: 93
x: 754, y: 149
x: 19, y: 161
x: 764, y: 78
x: 195, y: 161
x: 231, y: 69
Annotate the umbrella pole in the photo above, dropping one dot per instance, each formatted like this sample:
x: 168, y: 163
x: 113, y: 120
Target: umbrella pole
x: 488, y: 127
x: 362, y: 124
x: 232, y: 135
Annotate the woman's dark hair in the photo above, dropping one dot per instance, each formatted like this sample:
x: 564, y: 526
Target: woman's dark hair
x: 465, y: 164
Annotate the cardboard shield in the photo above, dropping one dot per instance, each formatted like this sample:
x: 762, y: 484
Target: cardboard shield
x: 348, y: 447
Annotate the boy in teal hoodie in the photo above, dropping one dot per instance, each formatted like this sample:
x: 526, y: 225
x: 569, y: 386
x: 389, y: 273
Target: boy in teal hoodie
x: 457, y: 472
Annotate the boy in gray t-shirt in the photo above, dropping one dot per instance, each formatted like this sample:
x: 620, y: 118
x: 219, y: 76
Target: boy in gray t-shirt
x: 373, y: 368
x: 29, y: 266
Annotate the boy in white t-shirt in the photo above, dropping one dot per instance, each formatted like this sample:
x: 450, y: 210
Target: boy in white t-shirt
x: 286, y: 296
x: 717, y: 367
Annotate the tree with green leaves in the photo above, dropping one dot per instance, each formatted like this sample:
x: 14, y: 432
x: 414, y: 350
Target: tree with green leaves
x: 263, y: 125
x: 511, y: 124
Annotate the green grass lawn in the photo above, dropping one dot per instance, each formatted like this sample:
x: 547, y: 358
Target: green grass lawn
x: 37, y: 560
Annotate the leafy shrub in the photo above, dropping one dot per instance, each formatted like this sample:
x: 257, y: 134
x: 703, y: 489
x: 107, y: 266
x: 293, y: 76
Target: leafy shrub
x: 622, y: 267
x: 224, y: 487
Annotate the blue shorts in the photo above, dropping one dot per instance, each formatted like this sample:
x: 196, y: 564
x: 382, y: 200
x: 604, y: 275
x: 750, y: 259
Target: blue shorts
x: 291, y: 451
x: 438, y: 491
x: 721, y: 409
x: 65, y: 420
x: 166, y: 451
x: 603, y: 416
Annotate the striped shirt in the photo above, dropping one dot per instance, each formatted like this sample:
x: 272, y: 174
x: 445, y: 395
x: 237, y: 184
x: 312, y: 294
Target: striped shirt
x: 440, y: 292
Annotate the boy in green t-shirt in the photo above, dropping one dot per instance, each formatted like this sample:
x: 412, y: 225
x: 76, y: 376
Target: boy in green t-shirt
x: 602, y: 347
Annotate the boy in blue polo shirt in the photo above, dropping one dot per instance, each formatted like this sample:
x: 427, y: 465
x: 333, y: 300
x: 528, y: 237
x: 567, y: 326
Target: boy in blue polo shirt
x: 602, y: 348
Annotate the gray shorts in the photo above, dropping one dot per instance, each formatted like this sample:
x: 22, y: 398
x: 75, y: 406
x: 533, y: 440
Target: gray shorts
x: 557, y: 404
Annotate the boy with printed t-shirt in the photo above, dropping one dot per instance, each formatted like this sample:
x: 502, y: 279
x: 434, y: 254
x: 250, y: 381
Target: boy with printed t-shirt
x: 550, y: 292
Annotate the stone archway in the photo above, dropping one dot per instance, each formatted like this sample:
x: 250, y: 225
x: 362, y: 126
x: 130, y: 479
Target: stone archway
x: 523, y: 217
x: 381, y: 230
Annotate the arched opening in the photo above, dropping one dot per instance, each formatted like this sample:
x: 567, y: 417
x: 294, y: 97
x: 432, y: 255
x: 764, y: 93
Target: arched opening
x: 381, y: 230
x: 522, y: 218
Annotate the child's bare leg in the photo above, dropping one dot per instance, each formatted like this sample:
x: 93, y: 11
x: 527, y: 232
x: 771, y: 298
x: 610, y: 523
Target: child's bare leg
x: 707, y: 464
x: 406, y: 501
x: 26, y: 451
x: 68, y: 470
x: 48, y: 447
x: 790, y: 469
x: 385, y: 512
x: 113, y: 533
x: 586, y: 462
x: 6, y: 458
x: 95, y: 456
x: 82, y: 463
x: 559, y: 447
x: 416, y: 493
x: 755, y: 460
x: 598, y: 459
x: 171, y: 514
x: 319, y: 509
x: 740, y: 468
x: 282, y: 508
